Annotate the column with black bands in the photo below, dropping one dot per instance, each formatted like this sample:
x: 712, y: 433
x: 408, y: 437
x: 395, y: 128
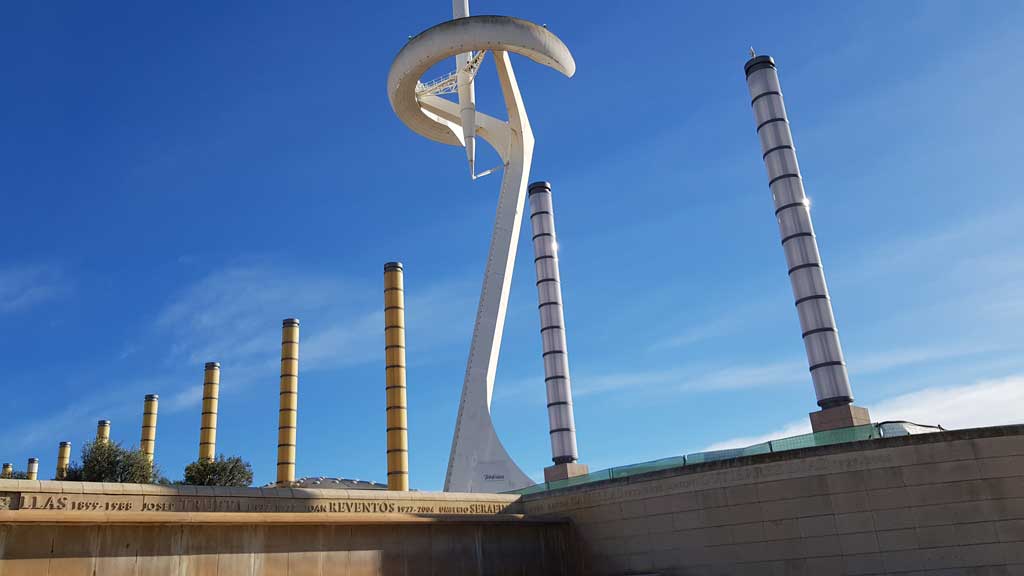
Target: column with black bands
x: 562, y: 424
x: 394, y: 376
x: 63, y: 460
x: 792, y: 211
x: 208, y: 420
x: 103, y: 431
x: 147, y: 443
x: 289, y: 394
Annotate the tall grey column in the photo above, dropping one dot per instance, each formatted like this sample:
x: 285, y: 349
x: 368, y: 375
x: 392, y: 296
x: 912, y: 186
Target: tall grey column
x: 821, y: 339
x: 552, y: 326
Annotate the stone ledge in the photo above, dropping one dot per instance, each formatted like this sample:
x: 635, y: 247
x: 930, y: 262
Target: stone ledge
x: 276, y: 518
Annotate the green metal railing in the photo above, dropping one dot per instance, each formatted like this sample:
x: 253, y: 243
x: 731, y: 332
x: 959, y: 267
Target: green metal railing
x: 829, y: 437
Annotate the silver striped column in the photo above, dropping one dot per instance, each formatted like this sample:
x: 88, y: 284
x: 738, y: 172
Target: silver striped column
x: 552, y: 326
x: 821, y: 339
x: 32, y: 472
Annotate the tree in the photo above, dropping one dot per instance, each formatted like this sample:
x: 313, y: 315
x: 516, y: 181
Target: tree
x: 18, y: 475
x: 223, y: 471
x: 108, y: 461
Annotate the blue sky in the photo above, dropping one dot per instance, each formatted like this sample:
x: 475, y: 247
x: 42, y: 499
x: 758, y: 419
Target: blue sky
x: 176, y: 180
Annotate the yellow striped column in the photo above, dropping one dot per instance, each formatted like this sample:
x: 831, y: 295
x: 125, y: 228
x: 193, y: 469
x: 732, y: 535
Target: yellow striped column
x: 208, y: 426
x: 394, y: 376
x: 288, y: 414
x: 103, y: 431
x: 148, y: 442
x: 33, y: 469
x: 63, y: 459
x: 7, y: 471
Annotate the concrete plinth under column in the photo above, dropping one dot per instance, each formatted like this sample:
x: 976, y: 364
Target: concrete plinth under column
x: 563, y: 471
x: 839, y: 417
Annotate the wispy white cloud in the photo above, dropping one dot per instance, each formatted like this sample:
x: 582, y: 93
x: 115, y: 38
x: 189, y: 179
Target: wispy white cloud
x: 233, y: 316
x: 715, y: 328
x: 22, y: 287
x: 794, y: 428
x: 984, y: 403
x: 886, y: 360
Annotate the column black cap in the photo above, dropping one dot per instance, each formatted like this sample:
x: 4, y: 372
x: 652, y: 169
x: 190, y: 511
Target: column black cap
x: 290, y: 322
x: 757, y: 63
x: 33, y: 460
x: 212, y: 365
x: 65, y: 443
x: 104, y: 422
x: 152, y: 396
x: 540, y: 186
x: 388, y: 267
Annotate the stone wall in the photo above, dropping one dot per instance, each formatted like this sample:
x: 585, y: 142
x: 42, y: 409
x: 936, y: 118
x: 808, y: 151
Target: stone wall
x: 945, y: 503
x: 71, y: 528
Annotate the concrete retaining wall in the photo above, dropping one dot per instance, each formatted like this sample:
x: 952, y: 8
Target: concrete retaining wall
x: 947, y: 503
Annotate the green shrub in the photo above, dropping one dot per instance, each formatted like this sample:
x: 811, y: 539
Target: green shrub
x: 223, y: 471
x: 110, y: 462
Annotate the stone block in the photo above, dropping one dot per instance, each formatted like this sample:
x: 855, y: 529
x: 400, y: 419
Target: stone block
x: 936, y: 536
x: 948, y: 493
x: 797, y: 507
x: 886, y: 498
x: 715, y: 536
x: 1002, y: 467
x: 850, y: 502
x: 904, y: 539
x: 855, y: 522
x: 564, y: 471
x: 933, y: 515
x: 975, y: 533
x: 824, y: 525
x: 727, y: 515
x: 712, y: 498
x: 750, y: 532
x: 742, y: 494
x: 1010, y: 530
x: 688, y: 520
x: 660, y: 523
x: 940, y: 472
x: 1004, y: 487
x: 633, y: 509
x: 792, y: 488
x: 852, y: 481
x: 998, y: 446
x: 839, y: 417
x: 633, y: 526
x: 945, y: 451
x: 781, y: 529
x: 812, y: 546
x: 1009, y: 509
x: 879, y: 478
x: 859, y: 564
x: 860, y: 543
